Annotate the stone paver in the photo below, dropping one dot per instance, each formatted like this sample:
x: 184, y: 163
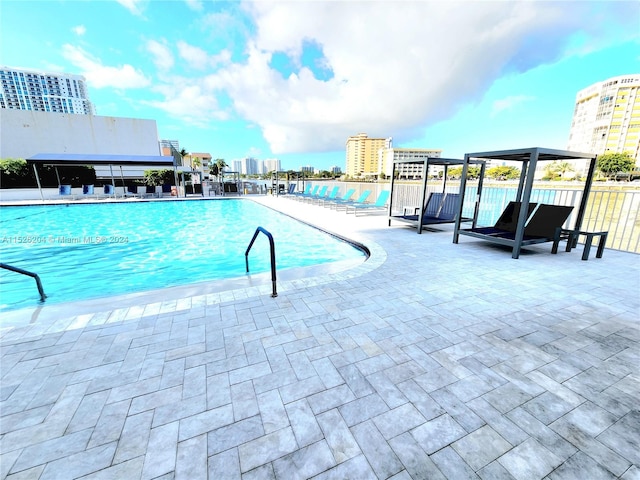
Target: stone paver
x: 429, y: 360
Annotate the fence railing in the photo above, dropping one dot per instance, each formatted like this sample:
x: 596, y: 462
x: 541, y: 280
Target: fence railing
x: 614, y: 210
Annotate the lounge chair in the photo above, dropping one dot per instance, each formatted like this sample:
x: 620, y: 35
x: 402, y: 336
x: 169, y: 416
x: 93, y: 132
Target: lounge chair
x: 344, y: 198
x: 109, y: 190
x: 358, y: 201
x: 508, y: 220
x: 64, y: 190
x: 540, y: 226
x: 321, y: 193
x: 308, y: 193
x: 333, y: 193
x: 440, y: 208
x: 380, y: 205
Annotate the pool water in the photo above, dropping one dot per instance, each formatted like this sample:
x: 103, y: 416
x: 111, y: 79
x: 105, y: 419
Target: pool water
x: 98, y: 250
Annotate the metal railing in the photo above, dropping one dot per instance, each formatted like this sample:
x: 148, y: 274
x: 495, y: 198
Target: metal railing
x: 272, y: 249
x: 611, y: 207
x: 30, y: 274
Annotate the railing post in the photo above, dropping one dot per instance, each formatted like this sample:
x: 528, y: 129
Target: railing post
x: 273, y: 257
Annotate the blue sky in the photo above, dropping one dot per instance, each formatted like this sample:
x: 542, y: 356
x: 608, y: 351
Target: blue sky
x: 292, y: 80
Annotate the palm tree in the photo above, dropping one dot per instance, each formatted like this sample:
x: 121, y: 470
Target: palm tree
x: 183, y: 153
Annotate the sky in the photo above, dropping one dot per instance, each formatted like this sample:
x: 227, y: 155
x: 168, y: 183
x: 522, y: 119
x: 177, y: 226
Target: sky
x: 294, y: 79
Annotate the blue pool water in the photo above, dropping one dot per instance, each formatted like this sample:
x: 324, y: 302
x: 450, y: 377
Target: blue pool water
x: 89, y: 251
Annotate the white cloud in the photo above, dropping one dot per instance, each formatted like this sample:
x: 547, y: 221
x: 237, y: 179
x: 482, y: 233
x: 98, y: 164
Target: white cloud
x: 79, y: 30
x: 195, y: 5
x: 508, y: 103
x: 100, y: 76
x: 189, y: 100
x: 398, y: 66
x: 161, y: 53
x: 196, y: 57
x: 134, y: 6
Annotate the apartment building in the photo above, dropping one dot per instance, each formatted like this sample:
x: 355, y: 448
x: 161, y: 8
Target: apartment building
x: 388, y: 156
x: 606, y: 118
x: 363, y: 157
x: 39, y: 91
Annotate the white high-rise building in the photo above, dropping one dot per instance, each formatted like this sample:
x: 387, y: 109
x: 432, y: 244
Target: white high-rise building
x: 606, y: 118
x: 24, y: 89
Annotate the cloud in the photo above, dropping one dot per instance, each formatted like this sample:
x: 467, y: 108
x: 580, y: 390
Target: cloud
x: 508, y: 103
x: 194, y: 56
x: 195, y: 5
x: 101, y: 76
x: 395, y: 67
x: 161, y: 53
x: 189, y: 100
x: 79, y: 30
x: 136, y: 7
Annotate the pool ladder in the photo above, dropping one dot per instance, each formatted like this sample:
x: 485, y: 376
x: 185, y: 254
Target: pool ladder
x: 30, y: 274
x: 273, y: 256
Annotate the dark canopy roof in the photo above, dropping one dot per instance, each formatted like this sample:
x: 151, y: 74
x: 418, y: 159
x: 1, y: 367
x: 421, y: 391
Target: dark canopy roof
x: 525, y: 154
x: 88, y: 159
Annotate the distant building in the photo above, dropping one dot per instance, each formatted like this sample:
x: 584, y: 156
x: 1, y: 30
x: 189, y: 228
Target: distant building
x: 39, y: 91
x: 606, y: 118
x: 307, y: 169
x: 335, y: 170
x: 363, y: 157
x: 388, y: 156
x: 271, y: 165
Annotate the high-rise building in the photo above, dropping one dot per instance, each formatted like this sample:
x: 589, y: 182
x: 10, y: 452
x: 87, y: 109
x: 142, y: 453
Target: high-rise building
x: 606, y: 118
x: 44, y: 91
x: 408, y: 170
x: 363, y: 155
x: 271, y: 165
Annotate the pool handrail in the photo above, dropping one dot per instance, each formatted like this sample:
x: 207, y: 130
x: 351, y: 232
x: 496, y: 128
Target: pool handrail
x: 272, y: 249
x: 30, y: 274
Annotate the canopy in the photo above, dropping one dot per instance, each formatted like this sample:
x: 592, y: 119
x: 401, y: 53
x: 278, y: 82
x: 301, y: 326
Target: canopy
x: 63, y: 159
x: 89, y: 159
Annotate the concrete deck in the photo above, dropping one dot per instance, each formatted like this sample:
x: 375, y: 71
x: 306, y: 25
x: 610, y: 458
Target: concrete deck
x: 430, y: 360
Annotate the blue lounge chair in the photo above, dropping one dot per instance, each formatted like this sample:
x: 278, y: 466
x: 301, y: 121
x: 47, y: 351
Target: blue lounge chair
x: 380, y: 205
x: 330, y: 196
x: 308, y: 194
x: 321, y: 193
x: 346, y: 197
x: 360, y: 200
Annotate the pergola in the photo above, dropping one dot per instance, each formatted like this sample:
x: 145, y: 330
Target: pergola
x: 425, y: 163
x: 529, y: 158
x: 66, y: 159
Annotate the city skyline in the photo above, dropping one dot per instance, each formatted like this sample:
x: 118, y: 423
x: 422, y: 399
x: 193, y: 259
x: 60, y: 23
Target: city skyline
x: 234, y: 81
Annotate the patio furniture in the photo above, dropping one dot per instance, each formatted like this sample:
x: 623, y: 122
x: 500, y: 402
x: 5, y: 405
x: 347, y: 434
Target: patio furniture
x: 379, y: 205
x: 338, y: 205
x: 435, y: 207
x: 529, y: 159
x: 572, y: 239
x: 346, y: 197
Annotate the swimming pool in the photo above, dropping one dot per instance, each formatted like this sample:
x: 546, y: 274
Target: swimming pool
x: 90, y: 251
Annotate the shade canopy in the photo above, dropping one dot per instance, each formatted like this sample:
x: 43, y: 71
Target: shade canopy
x: 61, y: 159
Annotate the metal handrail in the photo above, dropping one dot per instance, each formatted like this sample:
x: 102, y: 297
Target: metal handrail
x: 273, y: 256
x: 30, y: 274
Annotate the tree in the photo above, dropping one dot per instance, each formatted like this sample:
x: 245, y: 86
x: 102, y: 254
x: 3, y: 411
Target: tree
x: 503, y: 173
x: 558, y: 169
x: 159, y: 177
x: 183, y: 153
x: 612, y: 163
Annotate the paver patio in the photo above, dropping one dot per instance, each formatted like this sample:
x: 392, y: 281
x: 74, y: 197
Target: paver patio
x: 430, y: 360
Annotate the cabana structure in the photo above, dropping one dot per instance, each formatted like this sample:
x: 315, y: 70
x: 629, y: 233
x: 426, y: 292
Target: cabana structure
x: 430, y: 208
x: 67, y: 159
x: 290, y: 178
x: 541, y: 220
